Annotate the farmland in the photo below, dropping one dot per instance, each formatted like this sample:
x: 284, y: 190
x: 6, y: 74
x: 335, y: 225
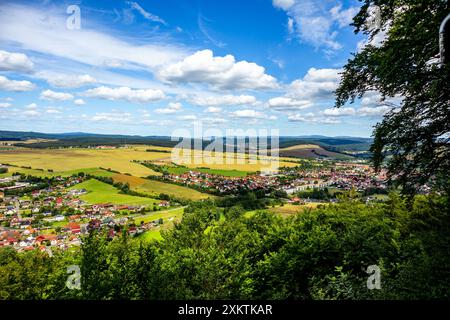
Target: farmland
x: 310, y: 151
x: 155, y: 188
x: 75, y: 159
x: 100, y: 192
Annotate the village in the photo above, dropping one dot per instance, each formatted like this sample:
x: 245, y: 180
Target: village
x: 37, y: 215
x: 341, y: 175
x: 56, y: 217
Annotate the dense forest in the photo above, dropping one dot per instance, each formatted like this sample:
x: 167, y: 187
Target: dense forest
x: 320, y: 254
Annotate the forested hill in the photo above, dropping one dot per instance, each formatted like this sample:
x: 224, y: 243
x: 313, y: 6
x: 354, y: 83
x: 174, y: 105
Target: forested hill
x: 336, y: 144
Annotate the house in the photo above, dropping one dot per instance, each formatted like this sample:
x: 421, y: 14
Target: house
x: 59, y: 202
x: 73, y: 227
x: 75, y: 217
x: 164, y: 204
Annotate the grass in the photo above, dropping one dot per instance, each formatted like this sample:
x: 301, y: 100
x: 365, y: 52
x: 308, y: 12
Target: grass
x: 43, y: 174
x: 155, y: 233
x: 157, y: 187
x: 151, y: 235
x: 176, y: 213
x: 154, y: 188
x: 100, y: 192
x: 222, y: 172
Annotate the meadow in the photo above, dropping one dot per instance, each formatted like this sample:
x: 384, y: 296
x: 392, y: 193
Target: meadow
x: 155, y: 233
x: 153, y: 187
x: 100, y: 192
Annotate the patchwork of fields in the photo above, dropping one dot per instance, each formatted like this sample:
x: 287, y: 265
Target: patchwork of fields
x: 153, y: 187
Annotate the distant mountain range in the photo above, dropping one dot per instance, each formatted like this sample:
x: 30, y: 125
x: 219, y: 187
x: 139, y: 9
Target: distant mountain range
x: 335, y: 144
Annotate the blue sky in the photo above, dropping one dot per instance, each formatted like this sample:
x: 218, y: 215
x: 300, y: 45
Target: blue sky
x: 150, y: 67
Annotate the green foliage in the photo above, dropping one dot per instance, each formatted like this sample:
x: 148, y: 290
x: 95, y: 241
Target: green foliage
x: 415, y: 136
x: 318, y: 254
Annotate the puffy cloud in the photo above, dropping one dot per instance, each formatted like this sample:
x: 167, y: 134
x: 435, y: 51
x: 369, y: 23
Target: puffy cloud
x: 219, y: 72
x: 52, y: 95
x: 68, y: 81
x: 227, y: 100
x: 11, y: 61
x: 5, y: 104
x: 286, y: 104
x: 248, y: 113
x: 31, y: 113
x: 213, y: 110
x: 317, y: 84
x: 15, y: 85
x: 79, y: 102
x: 112, y: 117
x: 31, y: 110
x: 339, y: 112
x: 125, y: 93
x: 173, y: 107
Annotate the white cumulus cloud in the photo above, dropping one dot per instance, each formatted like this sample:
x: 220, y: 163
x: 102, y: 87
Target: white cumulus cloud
x: 125, y: 93
x: 224, y: 100
x: 15, y: 85
x: 339, y: 112
x: 52, y: 95
x: 173, y: 107
x: 219, y: 72
x: 286, y: 103
x: 68, y: 81
x: 12, y: 61
x: 79, y: 102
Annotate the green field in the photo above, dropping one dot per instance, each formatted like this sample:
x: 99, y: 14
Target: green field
x: 155, y: 234
x: 151, y: 235
x: 157, y: 187
x: 222, y: 172
x: 176, y: 213
x: 45, y: 173
x: 100, y: 192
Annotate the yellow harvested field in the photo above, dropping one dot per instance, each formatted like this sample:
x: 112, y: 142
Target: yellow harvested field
x: 121, y: 159
x: 71, y: 159
x: 302, y: 146
x: 228, y: 161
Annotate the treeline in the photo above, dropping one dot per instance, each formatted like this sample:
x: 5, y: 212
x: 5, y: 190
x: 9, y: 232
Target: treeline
x: 320, y: 254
